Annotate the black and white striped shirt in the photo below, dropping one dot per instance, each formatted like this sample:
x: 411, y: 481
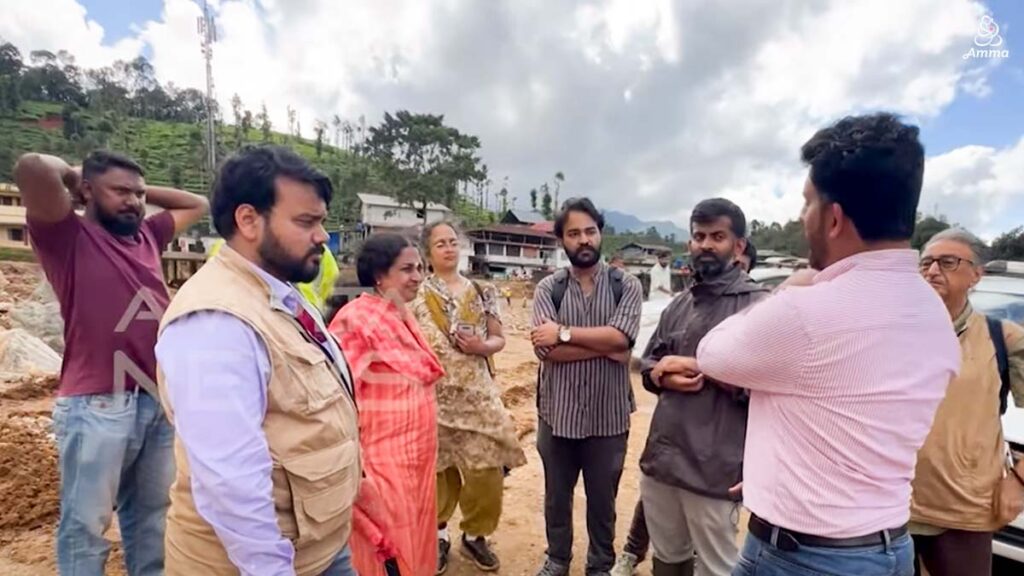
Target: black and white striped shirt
x: 590, y: 397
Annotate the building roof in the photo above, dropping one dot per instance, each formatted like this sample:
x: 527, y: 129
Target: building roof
x: 388, y: 201
x: 546, y: 226
x: 7, y: 189
x: 513, y: 229
x: 515, y: 216
x: 652, y: 247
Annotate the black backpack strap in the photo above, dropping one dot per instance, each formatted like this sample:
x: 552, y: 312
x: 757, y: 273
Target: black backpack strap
x: 616, y: 275
x: 558, y: 288
x: 995, y: 331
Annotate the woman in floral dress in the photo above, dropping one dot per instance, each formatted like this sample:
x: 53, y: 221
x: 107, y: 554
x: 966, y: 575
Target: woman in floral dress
x: 477, y: 440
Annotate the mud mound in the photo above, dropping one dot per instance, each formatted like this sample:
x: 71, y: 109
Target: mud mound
x: 29, y: 386
x: 21, y: 279
x: 28, y: 473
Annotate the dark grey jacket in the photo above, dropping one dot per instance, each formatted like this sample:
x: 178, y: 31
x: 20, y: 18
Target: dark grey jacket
x: 696, y: 439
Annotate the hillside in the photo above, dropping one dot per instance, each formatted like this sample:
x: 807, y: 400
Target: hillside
x: 174, y: 154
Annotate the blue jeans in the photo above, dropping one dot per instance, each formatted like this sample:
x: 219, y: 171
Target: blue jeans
x: 116, y: 452
x: 342, y: 565
x: 760, y: 558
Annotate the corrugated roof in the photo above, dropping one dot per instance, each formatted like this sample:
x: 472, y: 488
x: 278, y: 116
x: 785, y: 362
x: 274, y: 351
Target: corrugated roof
x: 382, y: 200
x: 525, y: 216
x: 514, y: 229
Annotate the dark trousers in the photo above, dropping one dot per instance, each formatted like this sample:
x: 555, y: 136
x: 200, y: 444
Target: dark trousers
x: 638, y: 540
x: 954, y: 553
x: 601, y: 460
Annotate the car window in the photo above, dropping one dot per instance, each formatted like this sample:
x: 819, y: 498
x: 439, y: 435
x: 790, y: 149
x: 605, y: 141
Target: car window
x: 1003, y: 306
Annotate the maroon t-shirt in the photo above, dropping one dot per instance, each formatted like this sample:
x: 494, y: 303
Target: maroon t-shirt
x: 112, y: 294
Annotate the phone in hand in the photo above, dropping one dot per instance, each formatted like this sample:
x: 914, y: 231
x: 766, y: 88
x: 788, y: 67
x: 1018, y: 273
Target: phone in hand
x: 465, y: 328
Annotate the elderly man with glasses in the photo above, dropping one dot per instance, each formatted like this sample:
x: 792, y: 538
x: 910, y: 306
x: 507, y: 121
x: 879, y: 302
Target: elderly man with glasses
x: 966, y: 486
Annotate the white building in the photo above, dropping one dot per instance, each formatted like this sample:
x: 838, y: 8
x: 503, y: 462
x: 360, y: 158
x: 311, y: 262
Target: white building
x: 507, y: 249
x: 379, y: 213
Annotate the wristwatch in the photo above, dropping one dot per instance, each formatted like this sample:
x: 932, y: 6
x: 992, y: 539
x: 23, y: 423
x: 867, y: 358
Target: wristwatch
x: 564, y: 335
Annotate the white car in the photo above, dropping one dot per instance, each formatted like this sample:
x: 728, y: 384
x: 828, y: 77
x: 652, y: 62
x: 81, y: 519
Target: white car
x: 999, y: 296
x: 1003, y: 297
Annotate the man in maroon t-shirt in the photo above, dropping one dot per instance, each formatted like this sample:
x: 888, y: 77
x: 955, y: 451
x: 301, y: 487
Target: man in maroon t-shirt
x: 114, y: 442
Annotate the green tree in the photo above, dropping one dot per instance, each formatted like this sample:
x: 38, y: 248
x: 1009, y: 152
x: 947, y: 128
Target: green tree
x: 236, y: 111
x: 319, y: 129
x: 264, y: 121
x: 174, y: 173
x: 421, y: 159
x: 559, y: 179
x: 545, y: 205
x: 11, y: 63
x: 1009, y: 245
x: 533, y: 199
x: 926, y: 228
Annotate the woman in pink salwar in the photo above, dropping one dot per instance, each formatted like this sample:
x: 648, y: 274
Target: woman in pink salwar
x: 394, y: 371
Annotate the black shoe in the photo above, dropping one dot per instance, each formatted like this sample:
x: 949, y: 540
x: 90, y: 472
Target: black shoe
x: 443, y: 546
x: 480, y: 553
x: 552, y: 568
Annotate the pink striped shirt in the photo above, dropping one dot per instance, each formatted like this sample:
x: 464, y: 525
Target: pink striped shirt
x: 845, y: 376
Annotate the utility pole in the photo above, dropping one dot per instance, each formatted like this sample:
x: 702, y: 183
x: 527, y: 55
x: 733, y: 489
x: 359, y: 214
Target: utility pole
x: 207, y: 36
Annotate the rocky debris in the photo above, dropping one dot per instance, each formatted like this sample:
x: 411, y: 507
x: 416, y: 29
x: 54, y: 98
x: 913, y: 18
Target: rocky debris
x: 22, y: 353
x: 29, y: 386
x: 41, y: 320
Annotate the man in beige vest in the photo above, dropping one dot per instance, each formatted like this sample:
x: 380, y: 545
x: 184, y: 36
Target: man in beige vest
x: 267, y: 444
x: 963, y: 460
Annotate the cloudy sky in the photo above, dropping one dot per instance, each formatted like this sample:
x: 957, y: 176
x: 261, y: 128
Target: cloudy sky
x: 645, y: 105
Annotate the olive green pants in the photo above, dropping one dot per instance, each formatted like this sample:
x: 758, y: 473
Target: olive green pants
x: 477, y: 493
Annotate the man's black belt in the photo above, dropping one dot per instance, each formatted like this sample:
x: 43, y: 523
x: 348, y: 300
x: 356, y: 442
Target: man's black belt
x: 791, y: 541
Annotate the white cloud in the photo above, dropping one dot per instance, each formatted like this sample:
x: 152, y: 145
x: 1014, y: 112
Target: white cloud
x: 978, y: 187
x: 647, y: 106
x: 61, y: 25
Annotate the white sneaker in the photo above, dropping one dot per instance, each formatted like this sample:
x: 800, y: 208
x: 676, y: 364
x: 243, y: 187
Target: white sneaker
x: 625, y: 565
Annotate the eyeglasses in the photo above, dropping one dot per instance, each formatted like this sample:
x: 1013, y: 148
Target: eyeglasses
x: 946, y: 263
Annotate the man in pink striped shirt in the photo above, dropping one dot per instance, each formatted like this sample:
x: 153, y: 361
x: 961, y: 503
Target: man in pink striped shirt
x: 845, y: 367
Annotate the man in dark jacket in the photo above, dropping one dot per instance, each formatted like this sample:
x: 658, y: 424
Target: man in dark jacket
x: 694, y: 451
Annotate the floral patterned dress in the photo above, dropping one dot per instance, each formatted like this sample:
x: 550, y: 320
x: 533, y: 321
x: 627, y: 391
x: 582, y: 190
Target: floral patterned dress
x: 474, y: 429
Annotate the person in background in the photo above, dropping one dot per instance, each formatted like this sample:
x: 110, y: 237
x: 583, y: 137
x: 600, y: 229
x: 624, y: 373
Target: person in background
x: 318, y: 290
x: 845, y: 366
x: 748, y: 260
x: 661, y: 278
x: 584, y: 397
x: 395, y: 372
x: 260, y: 397
x: 694, y: 452
x: 616, y: 261
x: 962, y: 465
x: 114, y: 444
x: 638, y: 541
x: 475, y: 432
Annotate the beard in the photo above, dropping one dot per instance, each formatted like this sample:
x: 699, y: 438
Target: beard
x: 120, y: 223
x: 585, y: 256
x: 711, y: 265
x: 278, y: 262
x: 817, y: 249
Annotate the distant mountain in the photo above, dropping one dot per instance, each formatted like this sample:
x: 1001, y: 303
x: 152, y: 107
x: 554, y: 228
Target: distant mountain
x: 628, y: 223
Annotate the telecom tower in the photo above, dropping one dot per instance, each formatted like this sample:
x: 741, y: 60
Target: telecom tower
x: 207, y: 36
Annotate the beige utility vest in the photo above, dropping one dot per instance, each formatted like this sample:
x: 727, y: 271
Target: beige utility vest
x: 961, y: 461
x: 310, y: 425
